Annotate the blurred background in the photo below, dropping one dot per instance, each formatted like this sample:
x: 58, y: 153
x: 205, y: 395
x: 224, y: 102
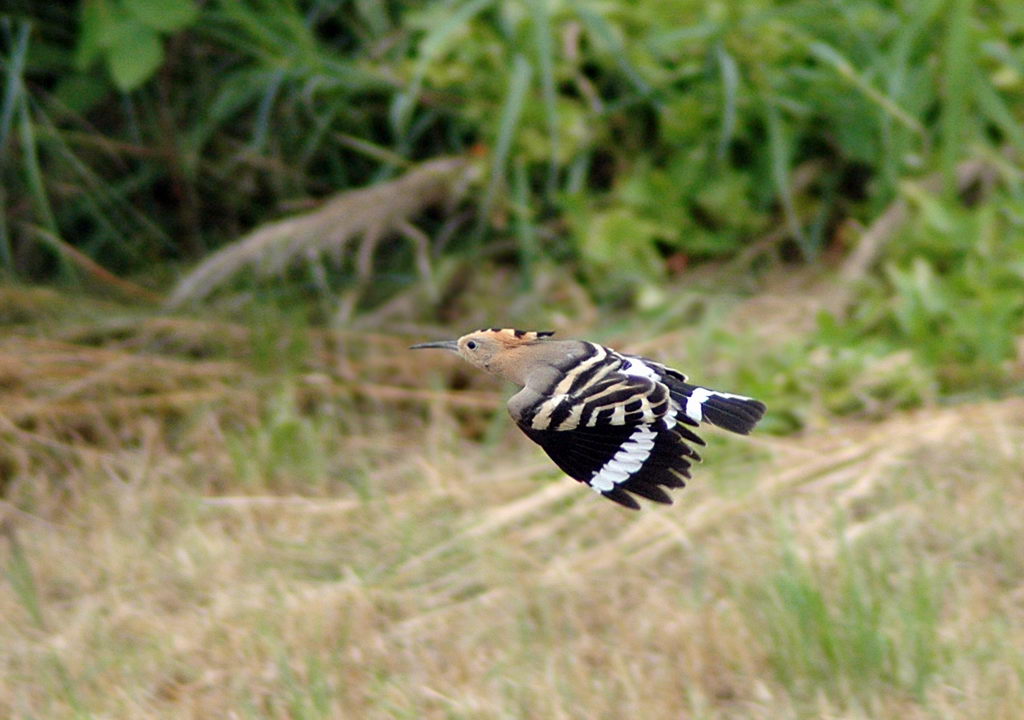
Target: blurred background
x: 227, y: 489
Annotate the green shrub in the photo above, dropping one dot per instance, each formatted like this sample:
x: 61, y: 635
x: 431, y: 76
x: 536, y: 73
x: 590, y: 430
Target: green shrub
x: 951, y: 292
x: 704, y: 126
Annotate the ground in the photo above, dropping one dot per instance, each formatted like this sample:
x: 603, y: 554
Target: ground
x: 203, y: 520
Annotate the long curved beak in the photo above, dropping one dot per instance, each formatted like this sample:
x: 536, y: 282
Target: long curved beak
x: 452, y: 345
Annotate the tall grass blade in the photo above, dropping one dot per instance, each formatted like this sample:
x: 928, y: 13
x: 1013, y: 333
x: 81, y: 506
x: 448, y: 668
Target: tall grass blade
x: 603, y: 31
x: 899, y: 66
x: 995, y: 109
x: 67, y: 685
x: 1004, y: 54
x: 958, y: 62
x: 730, y: 76
x: 19, y: 575
x: 780, y: 164
x: 14, y: 84
x: 16, y: 109
x: 262, y: 122
x: 546, y: 67
x: 436, y: 42
x: 831, y: 56
x: 526, y: 230
x: 32, y: 168
x: 109, y: 204
x: 12, y: 97
x: 519, y: 83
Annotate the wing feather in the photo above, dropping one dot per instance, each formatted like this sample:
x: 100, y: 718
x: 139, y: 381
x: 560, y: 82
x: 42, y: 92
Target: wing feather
x: 613, y: 426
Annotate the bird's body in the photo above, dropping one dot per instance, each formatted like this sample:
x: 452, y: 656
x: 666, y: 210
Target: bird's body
x: 619, y: 423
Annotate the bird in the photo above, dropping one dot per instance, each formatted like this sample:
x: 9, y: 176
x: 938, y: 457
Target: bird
x: 622, y: 424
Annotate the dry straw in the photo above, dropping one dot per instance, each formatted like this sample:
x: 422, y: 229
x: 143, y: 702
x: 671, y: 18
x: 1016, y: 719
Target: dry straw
x: 367, y: 215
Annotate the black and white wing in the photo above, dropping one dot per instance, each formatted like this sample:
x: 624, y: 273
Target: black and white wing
x: 610, y: 422
x: 696, y: 404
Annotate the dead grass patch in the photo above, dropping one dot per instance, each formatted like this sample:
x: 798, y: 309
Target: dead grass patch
x: 187, y: 536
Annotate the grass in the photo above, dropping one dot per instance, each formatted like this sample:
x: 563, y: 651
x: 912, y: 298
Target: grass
x: 199, y: 522
x: 243, y: 516
x: 672, y: 132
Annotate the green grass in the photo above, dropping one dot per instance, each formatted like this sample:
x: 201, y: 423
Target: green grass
x: 871, y: 621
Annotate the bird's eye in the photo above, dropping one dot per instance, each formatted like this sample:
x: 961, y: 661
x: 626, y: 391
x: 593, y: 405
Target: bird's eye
x: 471, y: 344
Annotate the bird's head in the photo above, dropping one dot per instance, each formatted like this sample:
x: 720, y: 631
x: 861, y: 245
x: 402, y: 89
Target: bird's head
x: 490, y: 349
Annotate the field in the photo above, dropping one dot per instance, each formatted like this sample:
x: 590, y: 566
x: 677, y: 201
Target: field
x: 205, y: 519
x: 228, y: 490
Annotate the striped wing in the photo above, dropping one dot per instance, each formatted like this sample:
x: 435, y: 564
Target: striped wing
x: 611, y: 423
x: 618, y: 460
x: 696, y: 404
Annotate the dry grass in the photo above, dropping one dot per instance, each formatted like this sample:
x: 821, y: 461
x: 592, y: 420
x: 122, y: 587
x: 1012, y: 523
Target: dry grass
x: 187, y: 536
x: 371, y: 213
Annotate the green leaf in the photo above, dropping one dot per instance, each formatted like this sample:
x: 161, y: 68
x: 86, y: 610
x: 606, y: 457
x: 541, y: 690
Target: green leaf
x: 81, y: 92
x: 1013, y: 10
x: 933, y: 212
x: 619, y: 243
x: 134, y: 55
x: 164, y: 15
x: 93, y: 17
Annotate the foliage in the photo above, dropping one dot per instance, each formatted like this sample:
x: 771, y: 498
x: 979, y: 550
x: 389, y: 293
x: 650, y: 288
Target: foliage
x: 698, y: 127
x: 206, y: 517
x: 623, y: 142
x: 950, y: 292
x: 868, y: 624
x: 126, y: 34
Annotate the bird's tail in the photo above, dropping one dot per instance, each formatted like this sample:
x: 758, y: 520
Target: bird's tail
x: 737, y: 413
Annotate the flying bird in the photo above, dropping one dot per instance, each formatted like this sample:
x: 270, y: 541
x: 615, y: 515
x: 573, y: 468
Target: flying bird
x: 620, y: 423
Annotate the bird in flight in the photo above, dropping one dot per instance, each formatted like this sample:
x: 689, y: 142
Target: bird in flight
x: 620, y: 423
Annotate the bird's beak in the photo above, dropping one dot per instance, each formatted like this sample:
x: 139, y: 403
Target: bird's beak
x: 452, y: 345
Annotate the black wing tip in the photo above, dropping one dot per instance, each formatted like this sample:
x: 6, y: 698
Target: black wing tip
x: 648, y: 485
x: 623, y: 498
x: 647, y: 490
x: 689, y: 436
x: 738, y: 415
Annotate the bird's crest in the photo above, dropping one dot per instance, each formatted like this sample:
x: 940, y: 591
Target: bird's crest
x: 514, y: 336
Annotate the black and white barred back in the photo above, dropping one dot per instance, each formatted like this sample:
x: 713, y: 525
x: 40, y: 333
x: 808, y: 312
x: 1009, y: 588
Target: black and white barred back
x: 622, y: 423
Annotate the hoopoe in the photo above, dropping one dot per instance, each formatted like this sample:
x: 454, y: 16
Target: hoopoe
x: 619, y: 423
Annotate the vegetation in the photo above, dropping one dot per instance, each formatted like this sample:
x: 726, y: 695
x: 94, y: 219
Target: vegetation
x: 225, y: 490
x: 203, y: 518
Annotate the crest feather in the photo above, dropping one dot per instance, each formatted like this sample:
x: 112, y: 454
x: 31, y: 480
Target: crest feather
x: 520, y: 334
